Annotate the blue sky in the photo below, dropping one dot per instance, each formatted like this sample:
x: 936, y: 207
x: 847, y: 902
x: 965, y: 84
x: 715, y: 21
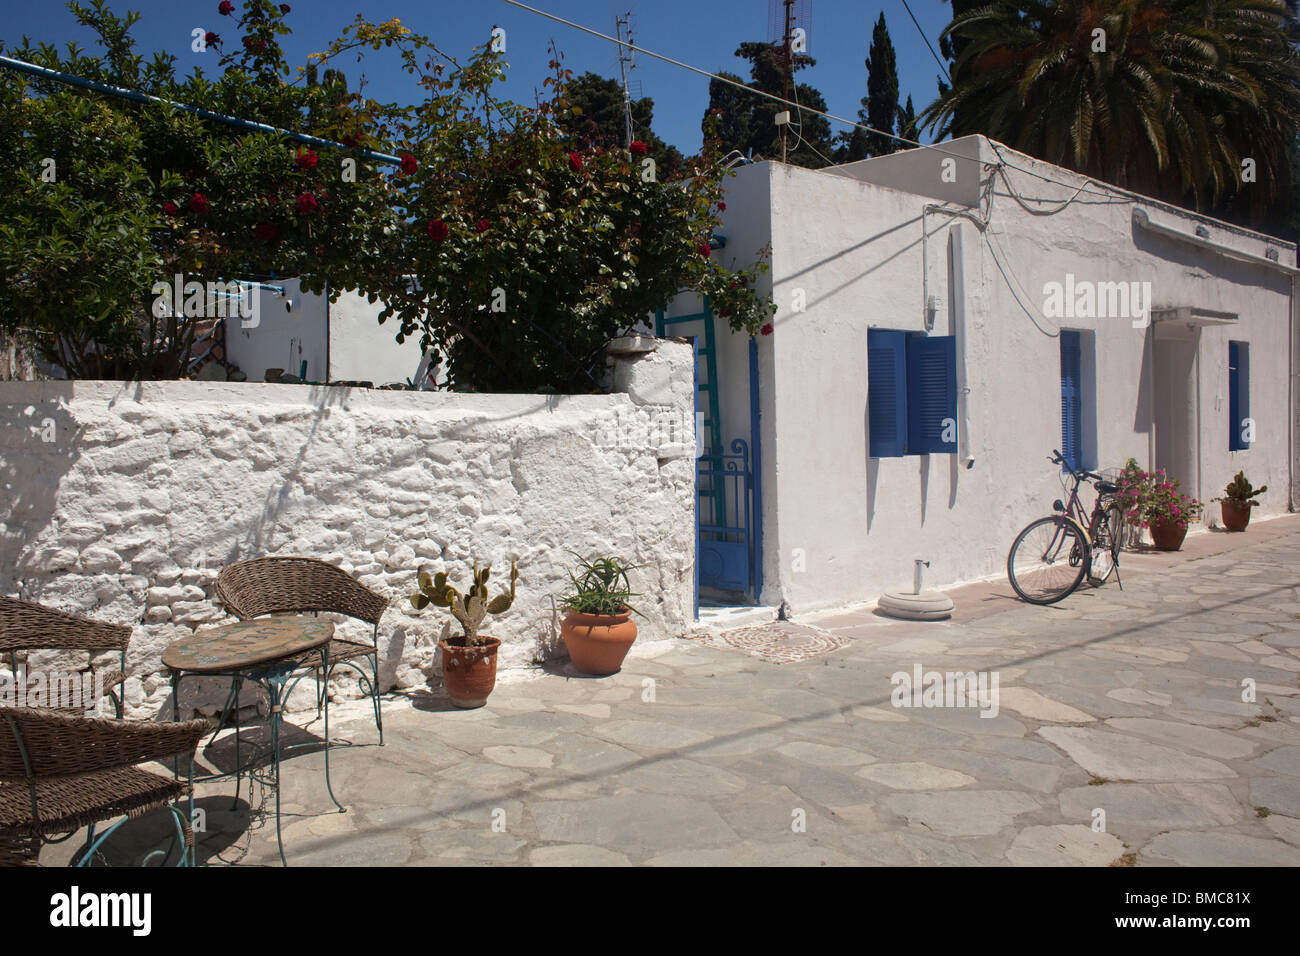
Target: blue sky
x: 703, y: 34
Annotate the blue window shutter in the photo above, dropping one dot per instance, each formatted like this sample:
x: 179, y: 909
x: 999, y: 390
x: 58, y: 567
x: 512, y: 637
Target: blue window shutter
x: 886, y: 392
x: 1238, y: 393
x: 1071, y: 399
x: 931, y: 394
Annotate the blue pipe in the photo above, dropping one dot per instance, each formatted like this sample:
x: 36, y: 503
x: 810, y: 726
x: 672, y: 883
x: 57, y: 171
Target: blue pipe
x: 58, y: 76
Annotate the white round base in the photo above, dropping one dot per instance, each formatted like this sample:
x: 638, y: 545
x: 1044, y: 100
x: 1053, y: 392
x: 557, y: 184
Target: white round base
x: 926, y: 606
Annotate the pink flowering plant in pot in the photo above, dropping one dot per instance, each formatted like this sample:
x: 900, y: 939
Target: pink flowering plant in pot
x: 1151, y: 500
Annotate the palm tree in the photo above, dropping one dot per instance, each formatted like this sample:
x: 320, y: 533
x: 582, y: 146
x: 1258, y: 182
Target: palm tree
x: 1166, y: 97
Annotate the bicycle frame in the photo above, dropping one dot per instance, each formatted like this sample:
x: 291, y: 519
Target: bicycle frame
x: 1072, y: 511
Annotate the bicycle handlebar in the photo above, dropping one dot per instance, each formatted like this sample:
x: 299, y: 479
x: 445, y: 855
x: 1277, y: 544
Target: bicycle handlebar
x: 1056, y: 458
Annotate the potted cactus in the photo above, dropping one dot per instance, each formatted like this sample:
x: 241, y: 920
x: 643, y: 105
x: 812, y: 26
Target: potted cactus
x: 598, y: 628
x: 1238, y: 499
x: 469, y: 661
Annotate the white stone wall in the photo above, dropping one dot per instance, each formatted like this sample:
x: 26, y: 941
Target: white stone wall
x: 122, y: 501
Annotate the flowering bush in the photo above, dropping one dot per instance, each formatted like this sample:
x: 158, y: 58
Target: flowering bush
x: 511, y: 249
x: 530, y: 251
x: 1152, y: 498
x: 146, y: 192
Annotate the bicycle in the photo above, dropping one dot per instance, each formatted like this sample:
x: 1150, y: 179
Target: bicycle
x: 1051, y: 556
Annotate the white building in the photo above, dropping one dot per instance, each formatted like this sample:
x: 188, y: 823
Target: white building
x: 1027, y: 306
x: 339, y: 341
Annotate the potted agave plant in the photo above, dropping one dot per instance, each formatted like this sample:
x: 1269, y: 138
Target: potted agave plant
x: 469, y: 661
x: 1238, y: 499
x: 598, y: 628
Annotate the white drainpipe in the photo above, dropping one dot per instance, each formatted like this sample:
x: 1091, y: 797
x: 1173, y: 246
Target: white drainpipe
x: 957, y: 299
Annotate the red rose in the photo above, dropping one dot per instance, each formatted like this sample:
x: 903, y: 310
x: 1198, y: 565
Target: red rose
x: 199, y: 203
x: 704, y: 250
x: 575, y: 162
x: 307, y: 203
x: 307, y: 159
x: 408, y: 164
x: 212, y: 39
x: 252, y: 43
x: 284, y: 8
x: 438, y: 230
x: 265, y: 231
x: 482, y: 225
x: 637, y: 147
x: 766, y: 330
x: 170, y: 208
x: 722, y: 207
x: 225, y: 8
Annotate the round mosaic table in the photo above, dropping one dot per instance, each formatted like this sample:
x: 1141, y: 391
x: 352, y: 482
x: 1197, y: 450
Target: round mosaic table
x: 246, y: 645
x: 267, y: 652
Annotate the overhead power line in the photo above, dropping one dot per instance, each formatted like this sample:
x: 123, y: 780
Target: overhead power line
x: 69, y: 79
x: 784, y: 102
x: 908, y: 8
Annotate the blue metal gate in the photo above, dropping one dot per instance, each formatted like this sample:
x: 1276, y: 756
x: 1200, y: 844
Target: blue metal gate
x: 724, y: 520
x: 728, y: 555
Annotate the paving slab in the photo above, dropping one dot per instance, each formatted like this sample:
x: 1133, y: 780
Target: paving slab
x: 1116, y: 756
x: 1064, y: 844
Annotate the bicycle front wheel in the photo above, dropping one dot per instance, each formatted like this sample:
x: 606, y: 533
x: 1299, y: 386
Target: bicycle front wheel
x: 1047, y: 560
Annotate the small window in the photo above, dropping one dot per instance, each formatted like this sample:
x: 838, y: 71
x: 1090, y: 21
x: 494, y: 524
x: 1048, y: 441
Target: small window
x: 1239, y: 426
x: 911, y: 393
x: 1078, y: 399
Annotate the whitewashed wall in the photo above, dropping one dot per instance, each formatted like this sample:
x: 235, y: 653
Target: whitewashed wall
x: 143, y: 492
x: 855, y: 249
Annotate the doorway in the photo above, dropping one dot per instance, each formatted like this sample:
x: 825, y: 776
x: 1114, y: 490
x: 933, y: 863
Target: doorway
x: 1176, y: 403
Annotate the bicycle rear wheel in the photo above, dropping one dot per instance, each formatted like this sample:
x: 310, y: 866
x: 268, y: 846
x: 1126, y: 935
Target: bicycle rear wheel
x: 1047, y: 560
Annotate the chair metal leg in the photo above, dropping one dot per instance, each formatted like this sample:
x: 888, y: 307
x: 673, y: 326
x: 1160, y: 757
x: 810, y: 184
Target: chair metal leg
x: 375, y: 699
x: 328, y: 786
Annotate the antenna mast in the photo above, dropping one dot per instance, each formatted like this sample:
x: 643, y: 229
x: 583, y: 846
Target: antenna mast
x: 789, y: 67
x: 624, y: 23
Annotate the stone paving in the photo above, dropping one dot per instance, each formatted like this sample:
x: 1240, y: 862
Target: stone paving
x: 1120, y: 737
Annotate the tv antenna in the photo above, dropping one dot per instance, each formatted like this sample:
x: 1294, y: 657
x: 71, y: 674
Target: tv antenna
x: 625, y: 63
x: 793, y: 20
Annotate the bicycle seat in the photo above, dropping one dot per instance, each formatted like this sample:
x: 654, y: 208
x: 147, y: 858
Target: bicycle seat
x: 1107, y: 488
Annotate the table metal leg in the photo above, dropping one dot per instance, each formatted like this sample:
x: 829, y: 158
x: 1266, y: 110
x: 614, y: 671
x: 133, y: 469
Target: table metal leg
x: 273, y: 687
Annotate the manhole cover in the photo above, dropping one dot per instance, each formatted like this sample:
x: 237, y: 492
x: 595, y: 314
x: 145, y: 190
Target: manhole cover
x: 779, y: 642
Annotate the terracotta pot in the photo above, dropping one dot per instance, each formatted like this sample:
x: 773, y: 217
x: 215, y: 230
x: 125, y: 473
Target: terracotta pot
x: 469, y: 673
x: 598, y: 643
x: 1169, y: 536
x: 1235, y: 515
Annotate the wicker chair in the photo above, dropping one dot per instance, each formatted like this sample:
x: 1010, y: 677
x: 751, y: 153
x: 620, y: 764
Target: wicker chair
x: 296, y: 585
x: 59, y: 773
x: 30, y: 627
